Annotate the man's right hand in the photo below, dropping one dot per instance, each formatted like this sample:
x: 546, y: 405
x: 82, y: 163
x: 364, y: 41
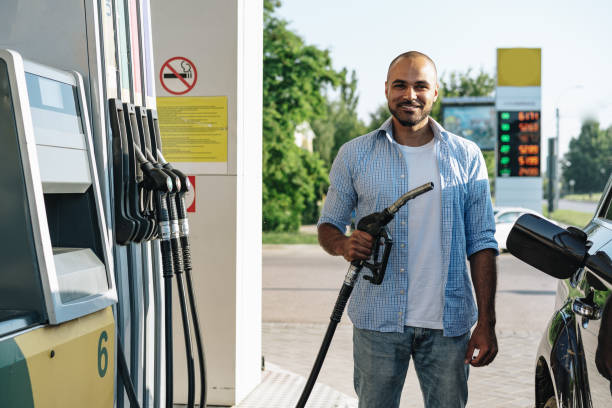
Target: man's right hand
x: 358, y: 246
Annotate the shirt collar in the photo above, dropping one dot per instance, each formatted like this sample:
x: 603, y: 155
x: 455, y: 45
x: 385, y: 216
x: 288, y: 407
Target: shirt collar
x: 387, y: 129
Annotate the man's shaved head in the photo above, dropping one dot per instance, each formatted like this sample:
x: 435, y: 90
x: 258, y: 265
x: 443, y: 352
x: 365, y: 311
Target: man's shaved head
x: 411, y: 55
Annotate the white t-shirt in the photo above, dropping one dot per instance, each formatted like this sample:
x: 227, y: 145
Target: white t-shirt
x: 425, y: 277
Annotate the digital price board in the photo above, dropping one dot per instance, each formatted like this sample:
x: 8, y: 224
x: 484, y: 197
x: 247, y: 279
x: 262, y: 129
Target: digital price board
x: 518, y: 143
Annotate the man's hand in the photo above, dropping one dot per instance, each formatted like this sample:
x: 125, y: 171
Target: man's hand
x: 483, y: 338
x: 484, y: 278
x: 358, y: 246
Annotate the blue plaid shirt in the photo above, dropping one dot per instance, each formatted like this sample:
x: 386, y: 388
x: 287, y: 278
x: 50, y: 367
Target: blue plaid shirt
x: 369, y: 174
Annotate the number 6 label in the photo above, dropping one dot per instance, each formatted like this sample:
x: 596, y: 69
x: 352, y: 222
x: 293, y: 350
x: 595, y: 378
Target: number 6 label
x: 102, y: 355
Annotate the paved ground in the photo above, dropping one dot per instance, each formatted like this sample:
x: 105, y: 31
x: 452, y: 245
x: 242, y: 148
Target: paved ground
x: 581, y: 206
x: 301, y: 284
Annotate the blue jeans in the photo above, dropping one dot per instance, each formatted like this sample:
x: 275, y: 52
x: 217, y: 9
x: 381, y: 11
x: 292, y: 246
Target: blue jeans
x: 381, y: 362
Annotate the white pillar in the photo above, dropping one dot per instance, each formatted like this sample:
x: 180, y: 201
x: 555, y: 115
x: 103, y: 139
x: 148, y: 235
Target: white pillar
x: 224, y: 40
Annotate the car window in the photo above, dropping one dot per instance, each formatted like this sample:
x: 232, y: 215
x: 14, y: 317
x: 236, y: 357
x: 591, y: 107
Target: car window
x: 607, y: 212
x: 508, y: 217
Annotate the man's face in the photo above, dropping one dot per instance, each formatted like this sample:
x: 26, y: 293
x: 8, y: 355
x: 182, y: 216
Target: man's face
x: 411, y: 89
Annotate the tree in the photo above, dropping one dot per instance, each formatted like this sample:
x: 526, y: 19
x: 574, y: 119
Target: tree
x: 378, y: 117
x: 588, y: 161
x: 341, y: 122
x: 458, y: 84
x: 295, y: 77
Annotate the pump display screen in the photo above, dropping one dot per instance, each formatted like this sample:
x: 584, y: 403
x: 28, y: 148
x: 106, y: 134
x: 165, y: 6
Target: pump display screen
x: 54, y: 104
x: 518, y: 144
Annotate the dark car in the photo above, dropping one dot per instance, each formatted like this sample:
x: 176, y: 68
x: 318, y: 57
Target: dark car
x: 574, y: 360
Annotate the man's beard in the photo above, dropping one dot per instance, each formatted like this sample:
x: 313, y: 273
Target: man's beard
x: 409, y: 122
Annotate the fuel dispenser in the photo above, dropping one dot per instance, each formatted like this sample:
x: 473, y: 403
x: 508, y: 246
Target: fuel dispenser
x: 56, y: 283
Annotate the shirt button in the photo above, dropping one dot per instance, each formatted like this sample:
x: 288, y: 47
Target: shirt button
x: 402, y: 292
x: 402, y: 176
x: 399, y: 314
x: 403, y: 222
x: 402, y: 270
x: 402, y: 245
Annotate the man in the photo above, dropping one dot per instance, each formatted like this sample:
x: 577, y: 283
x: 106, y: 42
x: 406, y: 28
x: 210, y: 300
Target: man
x: 424, y: 308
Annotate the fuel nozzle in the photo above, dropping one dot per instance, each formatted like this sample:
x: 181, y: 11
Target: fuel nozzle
x: 375, y: 224
x: 156, y: 179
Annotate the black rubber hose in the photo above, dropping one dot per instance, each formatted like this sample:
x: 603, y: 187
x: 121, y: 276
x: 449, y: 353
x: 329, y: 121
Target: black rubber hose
x: 343, y: 296
x: 167, y: 271
x: 187, y: 332
x: 184, y: 236
x: 124, y: 374
x: 196, y: 320
x: 177, y: 257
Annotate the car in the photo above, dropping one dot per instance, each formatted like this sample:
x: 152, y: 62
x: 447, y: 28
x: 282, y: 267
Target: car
x: 573, y: 366
x: 504, y: 220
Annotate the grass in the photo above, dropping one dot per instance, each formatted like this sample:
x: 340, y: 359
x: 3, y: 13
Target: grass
x: 289, y: 238
x: 592, y: 198
x: 568, y: 217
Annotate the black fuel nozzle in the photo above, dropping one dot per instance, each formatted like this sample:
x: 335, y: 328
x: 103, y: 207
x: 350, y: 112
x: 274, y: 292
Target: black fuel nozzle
x: 156, y: 179
x: 376, y: 225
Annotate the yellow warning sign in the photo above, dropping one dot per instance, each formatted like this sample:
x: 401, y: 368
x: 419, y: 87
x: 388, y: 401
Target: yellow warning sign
x: 193, y: 129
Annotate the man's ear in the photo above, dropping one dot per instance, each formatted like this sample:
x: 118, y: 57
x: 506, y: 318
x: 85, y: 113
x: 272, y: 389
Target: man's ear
x: 437, y: 91
x: 386, y: 91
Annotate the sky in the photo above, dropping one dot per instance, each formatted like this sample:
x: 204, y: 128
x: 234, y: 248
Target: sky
x: 575, y: 37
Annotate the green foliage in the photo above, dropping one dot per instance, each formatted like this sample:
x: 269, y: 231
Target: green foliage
x: 568, y: 217
x: 489, y: 156
x: 465, y: 84
x: 295, y: 76
x: 340, y: 123
x: 588, y: 161
x: 378, y: 117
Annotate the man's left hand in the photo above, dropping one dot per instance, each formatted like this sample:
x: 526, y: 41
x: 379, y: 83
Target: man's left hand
x: 483, y: 338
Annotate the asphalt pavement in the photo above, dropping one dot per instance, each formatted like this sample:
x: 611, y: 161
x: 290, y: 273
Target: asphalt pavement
x: 300, y: 286
x: 581, y: 206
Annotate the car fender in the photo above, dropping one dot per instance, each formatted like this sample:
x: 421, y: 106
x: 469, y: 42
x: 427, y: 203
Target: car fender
x: 566, y: 359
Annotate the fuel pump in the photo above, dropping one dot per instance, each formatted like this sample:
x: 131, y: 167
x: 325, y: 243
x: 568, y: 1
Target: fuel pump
x: 376, y: 225
x: 56, y: 281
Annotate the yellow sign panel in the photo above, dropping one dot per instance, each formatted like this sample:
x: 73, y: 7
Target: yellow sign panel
x: 193, y: 129
x: 519, y: 66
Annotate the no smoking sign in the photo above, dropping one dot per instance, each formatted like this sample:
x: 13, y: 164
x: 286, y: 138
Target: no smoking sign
x: 178, y: 75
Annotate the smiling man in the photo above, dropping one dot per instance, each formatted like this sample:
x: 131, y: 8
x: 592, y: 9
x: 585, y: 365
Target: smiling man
x: 424, y: 309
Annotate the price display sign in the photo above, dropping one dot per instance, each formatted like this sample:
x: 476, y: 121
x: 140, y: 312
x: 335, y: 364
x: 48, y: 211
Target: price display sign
x: 518, y: 144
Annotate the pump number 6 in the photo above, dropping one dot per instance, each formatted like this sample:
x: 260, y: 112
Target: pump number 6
x: 102, y: 354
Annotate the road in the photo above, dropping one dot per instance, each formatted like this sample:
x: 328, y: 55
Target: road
x: 300, y: 286
x: 582, y: 206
